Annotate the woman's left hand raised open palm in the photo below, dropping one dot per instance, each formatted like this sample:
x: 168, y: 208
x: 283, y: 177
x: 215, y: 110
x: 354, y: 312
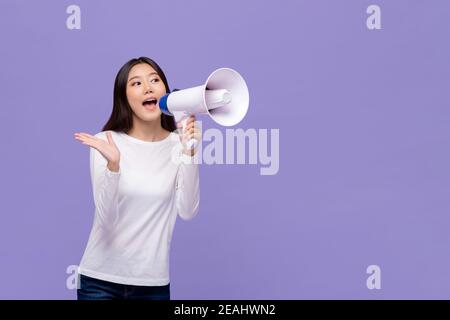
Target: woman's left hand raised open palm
x: 108, y: 149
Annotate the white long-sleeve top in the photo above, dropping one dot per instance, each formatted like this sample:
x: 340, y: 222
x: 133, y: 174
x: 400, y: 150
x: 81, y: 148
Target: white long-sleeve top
x: 136, y: 209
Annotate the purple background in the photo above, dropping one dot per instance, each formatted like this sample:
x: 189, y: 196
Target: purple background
x: 364, y: 149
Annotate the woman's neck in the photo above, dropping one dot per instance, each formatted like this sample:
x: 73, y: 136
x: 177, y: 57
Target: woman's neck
x: 148, y: 131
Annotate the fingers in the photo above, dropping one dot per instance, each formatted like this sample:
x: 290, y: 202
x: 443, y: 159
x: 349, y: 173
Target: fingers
x: 193, y: 133
x: 189, y: 124
x: 86, y: 139
x: 189, y: 121
x: 188, y: 131
x: 85, y: 135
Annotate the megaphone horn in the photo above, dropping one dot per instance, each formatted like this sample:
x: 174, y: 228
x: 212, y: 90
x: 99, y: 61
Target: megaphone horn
x: 224, y: 96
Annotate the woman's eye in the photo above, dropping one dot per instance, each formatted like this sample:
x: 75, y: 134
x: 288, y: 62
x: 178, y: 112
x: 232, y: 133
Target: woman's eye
x: 154, y: 80
x: 134, y: 83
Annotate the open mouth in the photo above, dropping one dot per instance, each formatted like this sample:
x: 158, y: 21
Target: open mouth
x: 150, y: 103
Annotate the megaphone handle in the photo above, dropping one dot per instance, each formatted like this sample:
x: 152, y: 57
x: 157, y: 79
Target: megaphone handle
x: 192, y: 143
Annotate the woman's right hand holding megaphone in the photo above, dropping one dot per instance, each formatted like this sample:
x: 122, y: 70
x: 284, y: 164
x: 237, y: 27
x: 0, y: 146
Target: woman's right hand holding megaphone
x: 190, y: 134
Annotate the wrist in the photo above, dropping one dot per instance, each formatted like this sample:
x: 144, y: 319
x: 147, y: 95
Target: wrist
x: 113, y: 166
x: 189, y: 152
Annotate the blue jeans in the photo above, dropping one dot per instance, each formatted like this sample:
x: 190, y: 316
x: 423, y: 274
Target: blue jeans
x: 95, y: 289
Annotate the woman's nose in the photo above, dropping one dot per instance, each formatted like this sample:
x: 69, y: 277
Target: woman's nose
x: 148, y: 89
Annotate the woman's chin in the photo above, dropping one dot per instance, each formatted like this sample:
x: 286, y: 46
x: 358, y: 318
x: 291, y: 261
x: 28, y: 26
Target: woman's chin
x: 149, y: 117
x: 152, y: 117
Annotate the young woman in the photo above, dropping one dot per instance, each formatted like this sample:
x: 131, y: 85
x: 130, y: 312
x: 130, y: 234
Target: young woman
x: 138, y: 190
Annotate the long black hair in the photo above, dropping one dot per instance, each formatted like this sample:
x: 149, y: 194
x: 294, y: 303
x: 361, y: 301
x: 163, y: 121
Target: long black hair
x: 121, y: 119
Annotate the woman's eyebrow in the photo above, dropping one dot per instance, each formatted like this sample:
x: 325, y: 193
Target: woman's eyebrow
x: 151, y: 73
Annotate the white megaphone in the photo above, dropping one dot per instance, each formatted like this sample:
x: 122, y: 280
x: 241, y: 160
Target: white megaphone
x: 224, y: 96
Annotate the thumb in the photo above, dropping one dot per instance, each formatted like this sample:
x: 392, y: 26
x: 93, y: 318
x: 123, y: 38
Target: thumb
x: 109, y: 137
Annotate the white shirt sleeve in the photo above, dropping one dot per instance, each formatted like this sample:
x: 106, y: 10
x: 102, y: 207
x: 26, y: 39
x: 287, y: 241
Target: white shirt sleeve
x: 187, y: 188
x: 105, y: 185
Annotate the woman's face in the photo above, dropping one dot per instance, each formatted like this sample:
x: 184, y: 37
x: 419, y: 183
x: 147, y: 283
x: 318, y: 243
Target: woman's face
x: 144, y: 88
